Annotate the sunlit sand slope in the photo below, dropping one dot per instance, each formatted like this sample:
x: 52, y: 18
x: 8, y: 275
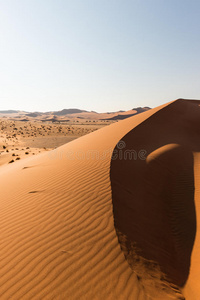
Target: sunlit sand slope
x: 58, y: 239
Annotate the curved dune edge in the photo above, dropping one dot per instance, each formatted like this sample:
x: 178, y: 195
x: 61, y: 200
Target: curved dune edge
x: 56, y: 223
x: 171, y: 140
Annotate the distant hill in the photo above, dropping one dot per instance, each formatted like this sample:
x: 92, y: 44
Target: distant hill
x: 68, y: 112
x: 72, y: 113
x: 126, y: 115
x: 9, y: 111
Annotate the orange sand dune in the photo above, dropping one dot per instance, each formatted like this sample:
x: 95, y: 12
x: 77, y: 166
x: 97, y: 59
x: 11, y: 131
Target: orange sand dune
x: 58, y: 239
x: 153, y: 198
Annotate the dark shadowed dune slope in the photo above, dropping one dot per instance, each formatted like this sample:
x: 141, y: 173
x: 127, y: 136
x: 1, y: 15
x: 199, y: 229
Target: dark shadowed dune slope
x: 152, y: 180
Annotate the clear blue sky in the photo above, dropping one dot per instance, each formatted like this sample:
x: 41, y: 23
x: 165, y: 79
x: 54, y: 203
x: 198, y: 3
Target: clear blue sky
x: 102, y: 55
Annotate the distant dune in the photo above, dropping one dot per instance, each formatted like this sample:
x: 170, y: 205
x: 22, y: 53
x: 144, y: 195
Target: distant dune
x: 87, y: 221
x: 73, y: 113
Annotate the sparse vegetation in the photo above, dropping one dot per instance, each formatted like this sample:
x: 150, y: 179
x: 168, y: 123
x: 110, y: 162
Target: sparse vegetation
x: 31, y: 138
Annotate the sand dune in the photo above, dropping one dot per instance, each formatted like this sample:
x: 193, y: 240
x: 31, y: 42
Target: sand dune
x: 58, y: 239
x: 153, y: 198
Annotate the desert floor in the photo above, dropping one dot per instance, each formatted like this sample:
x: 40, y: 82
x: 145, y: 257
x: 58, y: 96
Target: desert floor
x: 19, y: 139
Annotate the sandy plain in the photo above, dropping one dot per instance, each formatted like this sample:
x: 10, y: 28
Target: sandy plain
x: 19, y: 139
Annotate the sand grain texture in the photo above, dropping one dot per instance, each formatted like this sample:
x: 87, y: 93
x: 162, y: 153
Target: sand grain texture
x: 58, y: 239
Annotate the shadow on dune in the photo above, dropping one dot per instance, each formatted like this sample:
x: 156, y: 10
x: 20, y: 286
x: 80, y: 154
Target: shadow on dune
x: 153, y: 196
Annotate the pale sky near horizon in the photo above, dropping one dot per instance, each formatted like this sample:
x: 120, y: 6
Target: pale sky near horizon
x: 102, y: 55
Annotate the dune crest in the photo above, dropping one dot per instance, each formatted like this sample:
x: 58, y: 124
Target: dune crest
x: 58, y: 239
x: 154, y: 200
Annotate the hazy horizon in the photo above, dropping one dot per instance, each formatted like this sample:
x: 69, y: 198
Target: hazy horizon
x: 48, y: 111
x: 97, y: 55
